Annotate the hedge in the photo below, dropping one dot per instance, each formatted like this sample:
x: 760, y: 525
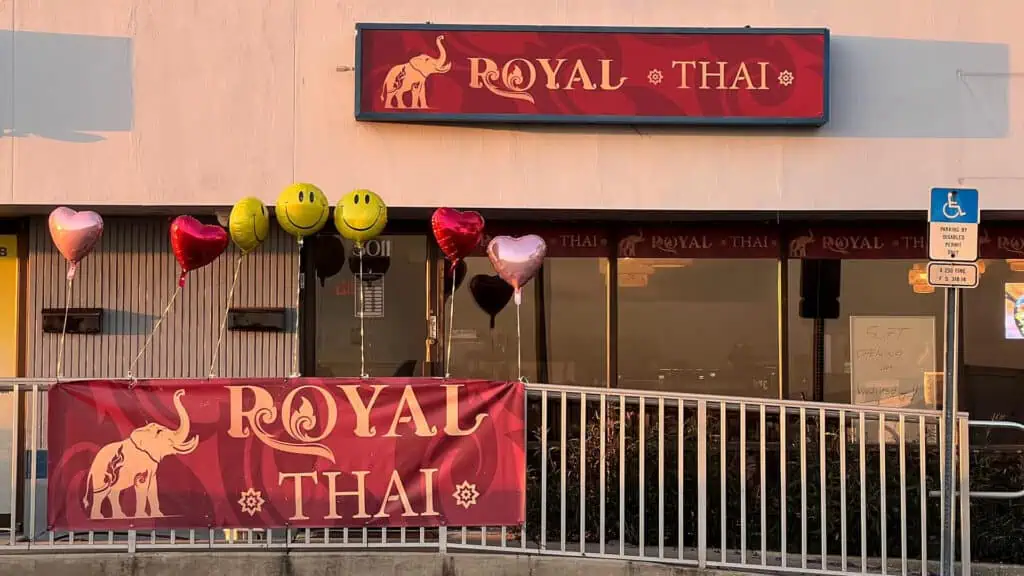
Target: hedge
x: 997, y: 527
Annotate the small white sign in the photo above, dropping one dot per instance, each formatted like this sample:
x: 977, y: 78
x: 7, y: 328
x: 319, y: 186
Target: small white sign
x: 372, y: 299
x: 953, y: 275
x: 953, y: 242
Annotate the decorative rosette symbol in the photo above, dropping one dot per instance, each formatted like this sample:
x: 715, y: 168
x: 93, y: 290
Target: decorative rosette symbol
x: 786, y: 78
x: 251, y: 501
x: 465, y: 495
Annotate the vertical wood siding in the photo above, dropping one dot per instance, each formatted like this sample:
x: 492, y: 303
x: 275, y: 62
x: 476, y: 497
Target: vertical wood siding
x: 131, y: 275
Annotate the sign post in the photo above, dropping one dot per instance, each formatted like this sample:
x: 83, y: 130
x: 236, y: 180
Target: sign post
x: 953, y: 219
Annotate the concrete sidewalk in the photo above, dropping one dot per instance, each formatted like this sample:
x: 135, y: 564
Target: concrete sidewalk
x: 352, y: 564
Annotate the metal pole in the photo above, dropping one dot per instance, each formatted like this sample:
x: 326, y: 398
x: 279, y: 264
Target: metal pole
x: 949, y: 414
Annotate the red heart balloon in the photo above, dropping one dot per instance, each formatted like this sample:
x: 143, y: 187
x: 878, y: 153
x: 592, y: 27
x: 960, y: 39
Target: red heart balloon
x: 196, y: 244
x: 457, y: 233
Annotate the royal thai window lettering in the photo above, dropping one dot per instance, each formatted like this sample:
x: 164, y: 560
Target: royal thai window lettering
x: 749, y: 241
x: 1014, y: 244
x: 579, y: 240
x: 844, y: 244
x: 912, y: 242
x: 673, y: 244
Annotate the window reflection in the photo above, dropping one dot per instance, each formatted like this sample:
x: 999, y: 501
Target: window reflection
x: 394, y: 307
x: 706, y: 326
x: 563, y: 324
x: 897, y: 330
x: 993, y: 362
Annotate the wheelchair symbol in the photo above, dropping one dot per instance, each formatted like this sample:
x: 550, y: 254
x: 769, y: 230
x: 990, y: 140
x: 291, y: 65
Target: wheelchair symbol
x: 951, y: 209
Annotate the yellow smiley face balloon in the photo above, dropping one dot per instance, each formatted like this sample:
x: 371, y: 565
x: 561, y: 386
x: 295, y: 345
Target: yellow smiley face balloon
x: 360, y: 216
x: 249, y: 224
x: 302, y: 210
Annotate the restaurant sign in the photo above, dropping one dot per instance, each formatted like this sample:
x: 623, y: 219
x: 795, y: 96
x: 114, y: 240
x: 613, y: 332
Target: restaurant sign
x: 236, y: 453
x: 541, y: 74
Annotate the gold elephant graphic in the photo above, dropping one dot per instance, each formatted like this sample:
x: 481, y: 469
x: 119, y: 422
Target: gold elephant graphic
x: 132, y: 463
x: 798, y: 246
x: 411, y: 78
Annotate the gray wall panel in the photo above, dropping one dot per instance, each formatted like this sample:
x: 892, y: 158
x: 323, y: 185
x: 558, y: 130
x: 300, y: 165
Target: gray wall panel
x: 130, y: 276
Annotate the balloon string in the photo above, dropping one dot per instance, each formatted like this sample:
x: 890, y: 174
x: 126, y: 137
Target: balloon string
x: 159, y: 321
x: 298, y: 295
x: 64, y: 330
x: 224, y: 318
x: 519, y: 344
x: 451, y: 322
x: 362, y: 315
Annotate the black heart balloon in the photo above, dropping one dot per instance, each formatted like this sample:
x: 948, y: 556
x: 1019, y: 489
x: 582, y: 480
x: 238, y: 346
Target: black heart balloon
x: 328, y: 256
x: 458, y: 276
x: 374, y: 267
x: 491, y: 294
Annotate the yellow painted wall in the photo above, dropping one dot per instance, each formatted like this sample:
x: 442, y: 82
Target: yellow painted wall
x: 9, y: 305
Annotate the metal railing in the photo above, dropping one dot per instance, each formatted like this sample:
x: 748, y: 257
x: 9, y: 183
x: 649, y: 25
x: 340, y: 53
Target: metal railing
x: 737, y: 483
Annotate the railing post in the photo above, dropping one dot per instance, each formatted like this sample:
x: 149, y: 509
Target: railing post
x: 33, y: 459
x: 442, y: 539
x: 16, y: 457
x: 965, y: 497
x: 702, y: 483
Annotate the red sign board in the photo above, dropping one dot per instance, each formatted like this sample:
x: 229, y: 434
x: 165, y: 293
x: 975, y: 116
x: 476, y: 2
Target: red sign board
x: 459, y: 73
x: 696, y: 241
x: 273, y: 453
x: 853, y: 242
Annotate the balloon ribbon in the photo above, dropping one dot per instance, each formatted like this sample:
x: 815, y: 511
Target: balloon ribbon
x: 362, y: 314
x: 160, y: 320
x: 519, y: 335
x: 64, y: 330
x: 224, y: 318
x: 451, y: 322
x: 298, y: 294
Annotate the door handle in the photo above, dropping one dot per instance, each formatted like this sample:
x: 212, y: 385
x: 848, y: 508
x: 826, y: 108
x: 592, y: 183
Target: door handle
x: 432, y: 329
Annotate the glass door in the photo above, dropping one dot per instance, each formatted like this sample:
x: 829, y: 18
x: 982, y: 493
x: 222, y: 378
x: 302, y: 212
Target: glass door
x: 395, y: 306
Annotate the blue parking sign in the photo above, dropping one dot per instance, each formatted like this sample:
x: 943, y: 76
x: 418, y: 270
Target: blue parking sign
x: 954, y: 206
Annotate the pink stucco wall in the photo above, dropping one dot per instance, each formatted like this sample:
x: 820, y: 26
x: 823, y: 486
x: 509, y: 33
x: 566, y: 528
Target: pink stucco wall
x: 239, y: 97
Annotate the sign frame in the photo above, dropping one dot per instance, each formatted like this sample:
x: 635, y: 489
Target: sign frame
x: 966, y: 222
x: 498, y: 118
x: 968, y: 265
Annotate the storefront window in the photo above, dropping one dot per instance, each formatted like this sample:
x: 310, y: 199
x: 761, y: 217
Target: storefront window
x: 886, y: 346
x: 563, y: 319
x: 394, y: 306
x: 993, y: 332
x: 704, y: 320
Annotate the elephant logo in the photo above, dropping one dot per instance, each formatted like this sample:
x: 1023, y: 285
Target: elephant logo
x: 132, y: 463
x: 798, y: 246
x: 411, y: 78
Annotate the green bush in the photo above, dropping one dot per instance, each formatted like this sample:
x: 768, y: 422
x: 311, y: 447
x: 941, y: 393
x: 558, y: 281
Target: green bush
x: 997, y: 527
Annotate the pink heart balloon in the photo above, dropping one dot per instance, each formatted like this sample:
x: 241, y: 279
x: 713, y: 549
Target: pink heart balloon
x: 75, y: 234
x: 516, y: 260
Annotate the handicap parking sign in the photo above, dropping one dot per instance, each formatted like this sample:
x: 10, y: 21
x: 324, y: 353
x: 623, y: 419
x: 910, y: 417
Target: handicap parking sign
x: 954, y: 205
x: 953, y: 218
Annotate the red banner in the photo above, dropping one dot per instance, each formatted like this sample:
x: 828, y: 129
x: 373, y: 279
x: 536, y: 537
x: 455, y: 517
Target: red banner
x: 563, y: 241
x: 271, y: 453
x: 1002, y: 241
x: 459, y: 73
x: 851, y: 241
x: 702, y: 241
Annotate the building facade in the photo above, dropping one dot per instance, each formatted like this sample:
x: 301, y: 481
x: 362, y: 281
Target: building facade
x: 681, y: 257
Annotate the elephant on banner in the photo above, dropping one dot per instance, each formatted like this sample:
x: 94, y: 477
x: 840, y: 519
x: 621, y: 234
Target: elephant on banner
x: 133, y: 463
x: 411, y: 77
